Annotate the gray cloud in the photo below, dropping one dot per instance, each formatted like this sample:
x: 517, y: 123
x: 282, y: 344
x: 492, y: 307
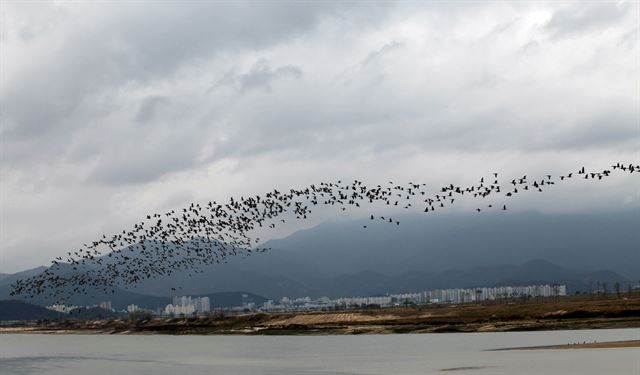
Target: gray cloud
x: 260, y: 76
x: 149, y: 107
x: 385, y: 49
x: 583, y: 17
x: 110, y: 111
x: 109, y: 47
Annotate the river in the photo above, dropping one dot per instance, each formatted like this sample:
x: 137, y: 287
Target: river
x: 460, y: 353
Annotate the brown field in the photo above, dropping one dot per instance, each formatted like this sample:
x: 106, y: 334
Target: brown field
x: 576, y: 312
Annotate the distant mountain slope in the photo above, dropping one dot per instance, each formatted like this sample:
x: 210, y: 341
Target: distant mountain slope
x: 119, y: 300
x: 430, y: 252
x: 10, y: 278
x: 528, y: 273
x: 122, y: 298
x: 425, y: 252
x: 436, y: 243
x: 20, y: 310
x: 231, y: 299
x: 368, y: 282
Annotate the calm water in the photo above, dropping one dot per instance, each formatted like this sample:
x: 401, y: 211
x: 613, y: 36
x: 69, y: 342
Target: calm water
x: 309, y: 355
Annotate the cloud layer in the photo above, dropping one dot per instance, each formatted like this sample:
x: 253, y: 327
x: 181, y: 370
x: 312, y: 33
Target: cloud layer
x: 112, y: 111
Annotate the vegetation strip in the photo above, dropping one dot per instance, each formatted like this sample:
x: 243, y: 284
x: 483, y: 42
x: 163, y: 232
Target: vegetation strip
x: 576, y: 312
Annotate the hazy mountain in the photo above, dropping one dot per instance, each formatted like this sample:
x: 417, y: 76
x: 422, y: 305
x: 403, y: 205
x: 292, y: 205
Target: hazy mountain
x: 122, y: 298
x: 528, y: 273
x: 432, y: 252
x: 10, y: 278
x: 366, y: 282
x: 20, y: 310
x: 426, y: 252
x: 230, y: 299
x: 119, y: 300
x: 436, y: 243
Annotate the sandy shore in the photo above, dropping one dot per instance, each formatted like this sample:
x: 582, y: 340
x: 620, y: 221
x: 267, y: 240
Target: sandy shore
x: 583, y: 345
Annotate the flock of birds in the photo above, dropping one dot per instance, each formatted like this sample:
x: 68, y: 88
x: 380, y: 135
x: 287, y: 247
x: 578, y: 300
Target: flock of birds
x: 203, y: 234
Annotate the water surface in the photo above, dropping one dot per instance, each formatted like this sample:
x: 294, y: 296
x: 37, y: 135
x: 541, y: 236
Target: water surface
x: 459, y: 353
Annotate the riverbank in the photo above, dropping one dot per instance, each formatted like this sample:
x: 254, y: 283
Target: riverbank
x: 583, y: 345
x: 549, y: 314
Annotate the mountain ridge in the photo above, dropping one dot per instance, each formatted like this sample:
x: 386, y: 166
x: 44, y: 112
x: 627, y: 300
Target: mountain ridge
x: 342, y: 258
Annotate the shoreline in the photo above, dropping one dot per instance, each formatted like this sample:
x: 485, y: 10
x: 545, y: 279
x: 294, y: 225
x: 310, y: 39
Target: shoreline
x: 330, y: 332
x: 563, y: 314
x: 584, y: 345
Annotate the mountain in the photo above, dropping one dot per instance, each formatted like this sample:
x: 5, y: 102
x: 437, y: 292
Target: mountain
x: 231, y: 299
x: 119, y: 300
x: 122, y: 298
x: 10, y: 278
x: 436, y: 243
x: 529, y: 273
x: 343, y: 258
x: 425, y: 252
x: 20, y: 310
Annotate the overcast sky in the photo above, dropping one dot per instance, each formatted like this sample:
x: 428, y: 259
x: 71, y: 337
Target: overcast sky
x: 112, y: 111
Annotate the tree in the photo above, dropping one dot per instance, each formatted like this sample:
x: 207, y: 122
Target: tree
x: 617, y: 287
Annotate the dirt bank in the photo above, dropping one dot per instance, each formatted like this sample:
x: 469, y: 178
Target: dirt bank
x: 544, y: 314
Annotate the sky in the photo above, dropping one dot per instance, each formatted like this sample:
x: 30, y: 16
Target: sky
x: 110, y: 111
